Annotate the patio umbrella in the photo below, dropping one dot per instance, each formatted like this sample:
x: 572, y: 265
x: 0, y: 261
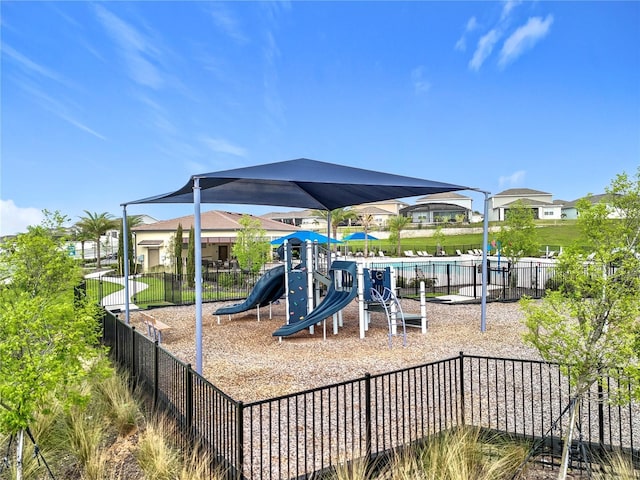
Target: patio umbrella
x: 358, y: 236
x: 302, y: 183
x: 303, y: 236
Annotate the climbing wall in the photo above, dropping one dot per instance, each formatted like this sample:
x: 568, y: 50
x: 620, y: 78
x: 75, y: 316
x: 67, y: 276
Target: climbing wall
x: 297, y: 287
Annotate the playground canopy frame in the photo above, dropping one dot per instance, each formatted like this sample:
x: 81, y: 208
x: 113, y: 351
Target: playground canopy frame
x: 302, y: 183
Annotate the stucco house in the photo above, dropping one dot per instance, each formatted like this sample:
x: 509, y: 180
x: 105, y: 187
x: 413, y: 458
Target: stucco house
x: 219, y: 231
x: 440, y: 207
x: 570, y: 210
x: 306, y: 219
x: 540, y: 202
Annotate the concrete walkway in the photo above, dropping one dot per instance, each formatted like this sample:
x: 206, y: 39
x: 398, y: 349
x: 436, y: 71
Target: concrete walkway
x: 116, y: 300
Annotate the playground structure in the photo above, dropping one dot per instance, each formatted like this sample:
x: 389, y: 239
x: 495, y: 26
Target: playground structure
x: 268, y: 289
x: 344, y: 281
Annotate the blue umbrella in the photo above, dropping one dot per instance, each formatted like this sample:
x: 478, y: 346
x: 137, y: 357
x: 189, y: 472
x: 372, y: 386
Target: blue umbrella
x: 359, y: 236
x: 303, y: 236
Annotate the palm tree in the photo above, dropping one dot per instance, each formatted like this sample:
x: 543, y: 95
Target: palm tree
x: 96, y: 225
x: 338, y: 216
x: 366, y: 220
x: 396, y: 224
x: 79, y: 234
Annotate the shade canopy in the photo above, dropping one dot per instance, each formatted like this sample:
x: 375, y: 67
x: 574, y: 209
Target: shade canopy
x: 302, y: 183
x: 302, y: 236
x: 359, y: 236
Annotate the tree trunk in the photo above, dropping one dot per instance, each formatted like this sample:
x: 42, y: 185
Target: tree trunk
x: 566, y: 449
x: 19, y: 455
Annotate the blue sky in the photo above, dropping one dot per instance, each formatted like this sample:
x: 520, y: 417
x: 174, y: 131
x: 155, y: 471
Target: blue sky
x: 107, y: 102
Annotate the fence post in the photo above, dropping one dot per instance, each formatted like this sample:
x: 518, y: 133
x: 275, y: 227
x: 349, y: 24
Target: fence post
x: 448, y: 279
x: 156, y: 381
x: 600, y: 413
x: 367, y: 416
x: 189, y: 405
x: 134, y: 368
x: 462, y: 404
x: 239, y: 440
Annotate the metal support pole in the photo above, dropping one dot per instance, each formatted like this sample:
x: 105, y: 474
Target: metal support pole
x: 485, y: 242
x: 198, y: 279
x: 125, y: 247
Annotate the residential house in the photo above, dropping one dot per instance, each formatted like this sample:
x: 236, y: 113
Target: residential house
x: 570, y: 211
x: 305, y: 219
x: 440, y: 207
x: 380, y: 211
x: 540, y: 202
x: 218, y: 234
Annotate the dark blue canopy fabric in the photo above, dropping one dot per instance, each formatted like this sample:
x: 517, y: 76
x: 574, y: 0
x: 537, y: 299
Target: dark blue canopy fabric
x: 303, y: 236
x: 358, y: 236
x: 302, y: 183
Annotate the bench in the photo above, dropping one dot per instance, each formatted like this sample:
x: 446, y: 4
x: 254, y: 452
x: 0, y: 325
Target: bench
x: 154, y: 327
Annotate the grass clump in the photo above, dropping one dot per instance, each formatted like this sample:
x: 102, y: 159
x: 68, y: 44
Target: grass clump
x: 460, y: 454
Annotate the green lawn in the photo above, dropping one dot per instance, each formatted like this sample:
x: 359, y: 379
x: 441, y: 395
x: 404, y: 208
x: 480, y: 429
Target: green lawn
x: 552, y: 235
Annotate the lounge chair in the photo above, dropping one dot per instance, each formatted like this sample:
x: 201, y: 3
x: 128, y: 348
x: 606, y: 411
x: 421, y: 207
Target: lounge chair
x: 409, y: 253
x: 459, y: 253
x: 381, y: 254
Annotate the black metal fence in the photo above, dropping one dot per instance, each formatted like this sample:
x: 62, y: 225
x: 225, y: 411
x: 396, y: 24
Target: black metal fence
x: 295, y: 436
x: 168, y: 288
x: 504, y: 281
x: 441, y: 278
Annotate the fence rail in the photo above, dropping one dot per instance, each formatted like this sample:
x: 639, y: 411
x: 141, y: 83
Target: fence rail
x: 295, y: 436
x: 505, y: 283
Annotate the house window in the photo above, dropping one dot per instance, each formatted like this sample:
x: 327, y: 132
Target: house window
x: 548, y: 213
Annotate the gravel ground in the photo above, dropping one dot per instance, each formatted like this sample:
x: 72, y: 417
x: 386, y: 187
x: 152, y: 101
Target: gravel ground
x: 241, y: 356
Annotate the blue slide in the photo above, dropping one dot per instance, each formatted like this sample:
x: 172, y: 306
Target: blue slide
x: 335, y: 300
x: 268, y: 289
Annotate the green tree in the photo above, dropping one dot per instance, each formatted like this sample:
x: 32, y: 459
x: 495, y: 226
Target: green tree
x: 338, y: 216
x: 96, y: 225
x: 438, y: 236
x: 48, y: 338
x: 251, y: 247
x: 517, y: 236
x: 177, y: 250
x: 191, y: 259
x: 589, y: 325
x: 132, y: 221
x: 79, y: 234
x: 395, y: 225
x: 366, y: 220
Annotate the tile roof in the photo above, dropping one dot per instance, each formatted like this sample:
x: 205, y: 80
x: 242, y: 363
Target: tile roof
x: 520, y: 192
x: 442, y: 196
x: 213, y: 220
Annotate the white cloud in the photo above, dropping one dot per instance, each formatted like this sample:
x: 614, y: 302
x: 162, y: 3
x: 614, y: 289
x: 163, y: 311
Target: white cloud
x: 524, y: 38
x: 14, y: 219
x: 420, y: 84
x: 507, y: 7
x: 31, y: 66
x: 139, y: 53
x: 58, y: 108
x: 226, y: 22
x: 513, y: 180
x: 461, y: 44
x: 220, y: 145
x: 484, y: 49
